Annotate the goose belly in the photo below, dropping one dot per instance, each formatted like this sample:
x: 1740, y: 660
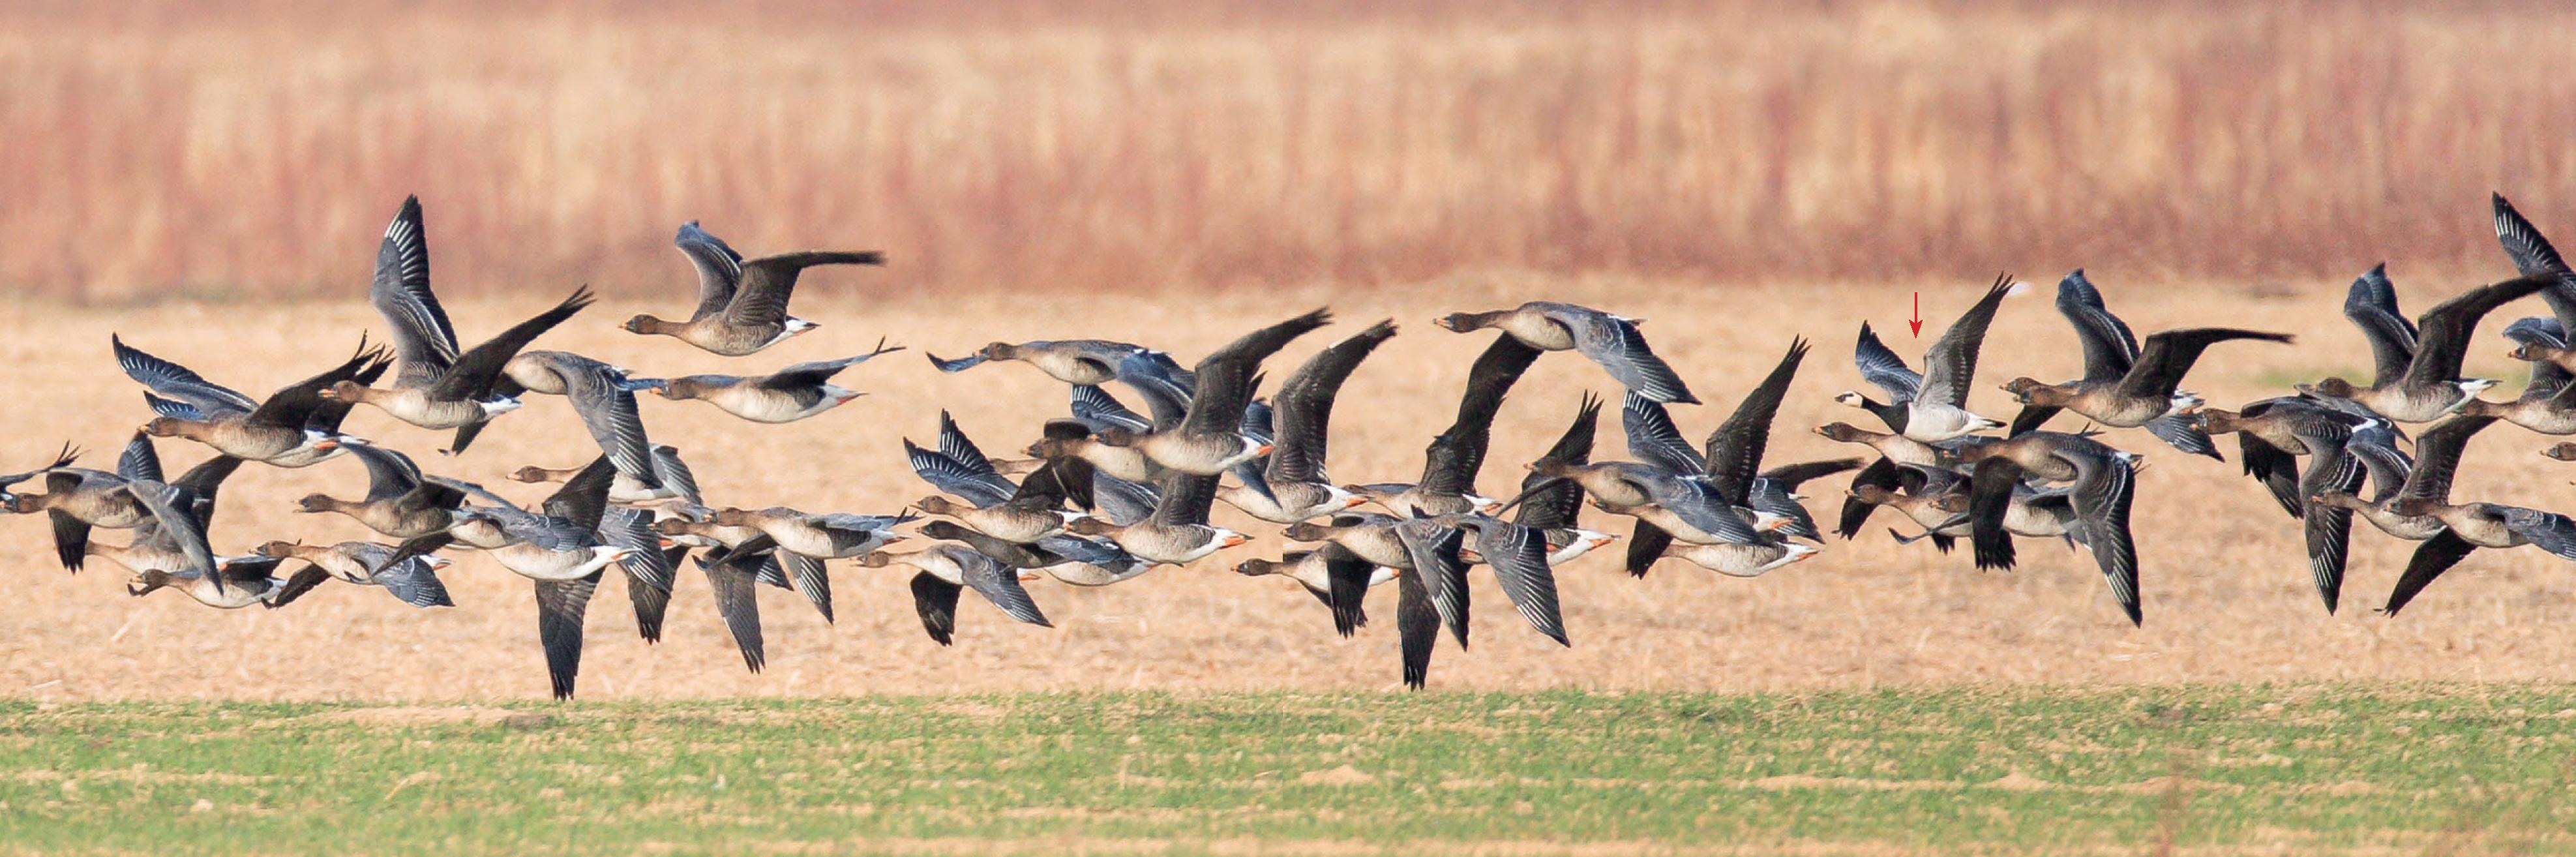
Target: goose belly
x: 538, y: 563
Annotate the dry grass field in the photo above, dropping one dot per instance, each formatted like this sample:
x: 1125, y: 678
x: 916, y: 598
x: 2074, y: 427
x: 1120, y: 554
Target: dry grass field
x: 253, y: 147
x: 2227, y: 592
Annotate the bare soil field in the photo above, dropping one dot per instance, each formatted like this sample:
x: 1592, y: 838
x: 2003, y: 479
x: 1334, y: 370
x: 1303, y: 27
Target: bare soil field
x: 2226, y: 588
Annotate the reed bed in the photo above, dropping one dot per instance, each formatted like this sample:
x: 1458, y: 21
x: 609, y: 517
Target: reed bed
x: 253, y: 149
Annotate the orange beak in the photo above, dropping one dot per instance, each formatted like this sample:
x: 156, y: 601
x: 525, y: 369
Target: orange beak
x: 1235, y: 539
x: 326, y: 445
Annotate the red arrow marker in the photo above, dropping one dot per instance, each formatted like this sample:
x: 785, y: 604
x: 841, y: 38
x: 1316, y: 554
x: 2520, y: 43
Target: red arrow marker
x: 1917, y: 321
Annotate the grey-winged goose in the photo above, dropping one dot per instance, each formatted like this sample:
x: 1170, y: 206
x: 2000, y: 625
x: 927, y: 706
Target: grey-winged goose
x: 946, y: 570
x: 2105, y: 484
x: 1932, y: 406
x: 2125, y: 385
x: 1609, y: 340
x: 784, y: 396
x: 2426, y: 384
x: 1292, y: 486
x: 742, y: 305
x: 278, y: 431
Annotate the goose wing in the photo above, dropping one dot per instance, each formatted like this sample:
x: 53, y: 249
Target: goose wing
x: 2434, y: 556
x: 2447, y: 328
x: 1450, y: 463
x: 1305, y: 405
x: 2372, y: 306
x: 139, y: 460
x: 2103, y: 494
x: 1621, y: 349
x: 561, y: 607
x: 1518, y: 556
x: 719, y: 268
x: 2109, y: 346
x: 293, y: 405
x: 2532, y: 255
x: 1226, y: 377
x: 1653, y: 439
x: 2437, y: 456
x: 1952, y: 363
x: 423, y: 337
x: 1558, y: 503
x: 1883, y: 369
x: 1002, y: 587
x: 768, y: 282
x: 1735, y: 449
x: 472, y: 377
x: 174, y: 382
x: 733, y: 579
x: 2170, y: 355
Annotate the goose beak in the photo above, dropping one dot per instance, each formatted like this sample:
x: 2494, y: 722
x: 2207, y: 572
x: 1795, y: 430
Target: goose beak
x: 1233, y: 539
x: 1027, y: 576
x: 326, y: 445
x: 1263, y: 449
x: 1470, y: 555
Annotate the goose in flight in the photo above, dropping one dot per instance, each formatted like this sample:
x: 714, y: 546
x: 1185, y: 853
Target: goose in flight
x: 2423, y: 383
x: 742, y: 304
x: 1609, y: 340
x: 2105, y: 485
x: 784, y: 396
x: 280, y: 431
x: 1930, y: 407
x: 2125, y: 385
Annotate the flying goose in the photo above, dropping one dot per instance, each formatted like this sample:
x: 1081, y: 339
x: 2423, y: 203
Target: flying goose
x: 1089, y: 363
x: 1731, y: 464
x: 678, y: 485
x: 1451, y: 462
x: 1934, y: 406
x: 437, y: 385
x: 742, y: 305
x: 2469, y: 526
x: 279, y: 431
x: 604, y: 397
x: 690, y: 526
x: 1293, y: 485
x: 1333, y: 574
x: 2104, y: 486
x: 2124, y: 385
x: 2272, y: 433
x: 784, y: 396
x: 78, y: 498
x: 155, y: 546
x: 558, y: 548
x: 2437, y: 460
x: 460, y: 394
x: 946, y: 570
x: 2548, y: 404
x: 1209, y: 438
x: 180, y: 516
x: 1610, y: 340
x: 1178, y: 532
x: 413, y: 581
x: 1070, y: 559
x: 2426, y: 384
x: 825, y: 536
x: 400, y: 502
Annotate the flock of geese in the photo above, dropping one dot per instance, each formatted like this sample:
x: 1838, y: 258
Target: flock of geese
x: 1108, y: 492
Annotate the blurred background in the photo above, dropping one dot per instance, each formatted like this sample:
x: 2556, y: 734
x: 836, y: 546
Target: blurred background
x: 226, y: 150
